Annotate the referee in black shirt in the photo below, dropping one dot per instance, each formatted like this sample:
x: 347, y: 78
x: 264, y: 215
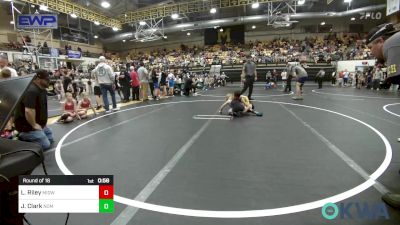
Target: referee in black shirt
x: 249, y: 75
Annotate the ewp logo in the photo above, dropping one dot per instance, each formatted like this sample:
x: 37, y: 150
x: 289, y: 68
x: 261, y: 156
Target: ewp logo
x: 355, y: 210
x: 35, y: 21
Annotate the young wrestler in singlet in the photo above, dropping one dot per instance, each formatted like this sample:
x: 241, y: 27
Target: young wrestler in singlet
x: 239, y: 105
x: 69, y: 109
x: 84, y: 105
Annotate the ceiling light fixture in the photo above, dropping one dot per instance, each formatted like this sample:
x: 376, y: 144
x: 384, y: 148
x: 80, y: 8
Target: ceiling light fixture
x: 301, y: 2
x: 105, y: 4
x: 255, y: 5
x: 142, y: 23
x: 322, y: 23
x: 353, y: 18
x: 253, y: 27
x: 213, y: 10
x: 174, y: 16
x: 44, y: 7
x: 96, y: 23
x: 73, y: 15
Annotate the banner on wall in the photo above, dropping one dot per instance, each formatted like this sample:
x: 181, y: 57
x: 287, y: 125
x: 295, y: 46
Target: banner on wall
x: 37, y: 21
x: 392, y: 6
x: 233, y: 34
x: 74, y: 54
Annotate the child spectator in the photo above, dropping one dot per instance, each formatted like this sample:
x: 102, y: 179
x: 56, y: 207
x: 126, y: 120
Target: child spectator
x: 69, y: 109
x: 84, y: 105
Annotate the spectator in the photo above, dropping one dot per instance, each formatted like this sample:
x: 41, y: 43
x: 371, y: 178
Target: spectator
x: 125, y: 82
x: 320, y: 78
x: 5, y: 73
x: 163, y: 82
x: 333, y: 78
x: 284, y: 79
x: 90, y: 88
x: 171, y: 83
x: 288, y: 87
x: 155, y: 76
x: 378, y: 75
x: 117, y: 85
x: 105, y: 77
x: 31, y: 114
x: 58, y: 89
x: 97, y: 92
x: 4, y: 65
x: 345, y: 77
x: 135, y: 83
x: 144, y: 81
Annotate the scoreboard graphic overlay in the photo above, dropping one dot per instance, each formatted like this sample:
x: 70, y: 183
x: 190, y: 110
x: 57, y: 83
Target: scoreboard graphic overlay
x: 66, y: 194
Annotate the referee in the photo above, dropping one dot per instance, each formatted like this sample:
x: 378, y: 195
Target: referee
x: 249, y: 75
x: 384, y: 43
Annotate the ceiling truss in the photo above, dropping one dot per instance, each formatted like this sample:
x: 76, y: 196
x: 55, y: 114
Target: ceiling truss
x: 193, y: 6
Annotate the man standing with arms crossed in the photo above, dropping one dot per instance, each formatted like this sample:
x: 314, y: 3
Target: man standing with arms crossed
x: 384, y: 43
x: 249, y: 75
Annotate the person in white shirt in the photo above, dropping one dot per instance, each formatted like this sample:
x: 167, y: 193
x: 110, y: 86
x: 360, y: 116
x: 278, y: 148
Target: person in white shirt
x: 345, y: 77
x: 171, y: 83
x: 284, y: 78
x: 4, y: 65
x: 105, y: 77
x: 143, y: 74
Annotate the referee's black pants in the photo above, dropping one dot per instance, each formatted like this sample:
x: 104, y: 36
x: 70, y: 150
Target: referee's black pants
x: 248, y: 83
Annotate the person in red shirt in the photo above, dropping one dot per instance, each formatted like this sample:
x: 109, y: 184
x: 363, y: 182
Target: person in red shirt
x: 69, y: 109
x: 135, y: 83
x: 84, y: 105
